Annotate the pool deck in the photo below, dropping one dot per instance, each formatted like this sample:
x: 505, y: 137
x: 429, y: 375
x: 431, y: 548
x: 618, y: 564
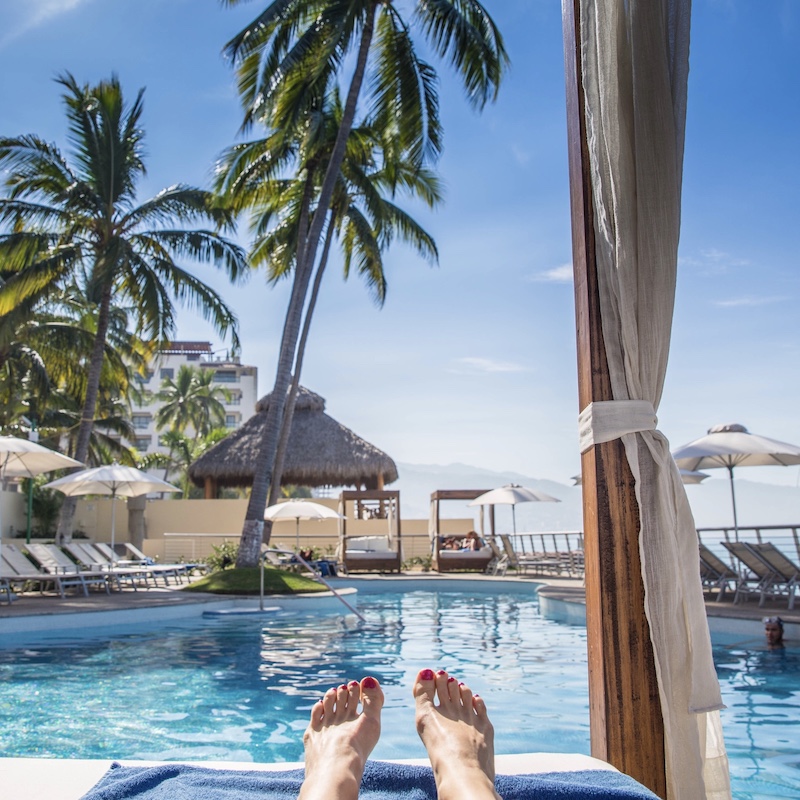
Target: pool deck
x: 69, y: 779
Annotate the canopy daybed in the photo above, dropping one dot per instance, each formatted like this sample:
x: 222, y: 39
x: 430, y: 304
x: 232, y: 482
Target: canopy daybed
x: 457, y: 560
x: 369, y: 537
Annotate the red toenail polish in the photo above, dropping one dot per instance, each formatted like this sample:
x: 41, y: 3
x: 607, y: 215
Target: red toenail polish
x: 451, y: 679
x: 343, y: 686
x: 353, y: 683
x: 441, y: 672
x: 369, y: 683
x: 461, y: 683
x: 426, y: 675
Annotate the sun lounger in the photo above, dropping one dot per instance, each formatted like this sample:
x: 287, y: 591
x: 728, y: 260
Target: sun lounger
x: 93, y: 560
x: 178, y: 570
x: 499, y: 566
x: 788, y: 571
x: 757, y: 577
x: 56, y: 562
x: 543, y: 563
x: 715, y: 573
x: 6, y: 589
x: 19, y: 572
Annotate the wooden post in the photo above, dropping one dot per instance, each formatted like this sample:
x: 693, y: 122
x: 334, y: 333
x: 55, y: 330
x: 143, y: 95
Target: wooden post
x: 210, y: 489
x: 626, y: 725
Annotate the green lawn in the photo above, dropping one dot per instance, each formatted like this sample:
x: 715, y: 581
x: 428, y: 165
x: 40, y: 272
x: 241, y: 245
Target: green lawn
x: 246, y: 581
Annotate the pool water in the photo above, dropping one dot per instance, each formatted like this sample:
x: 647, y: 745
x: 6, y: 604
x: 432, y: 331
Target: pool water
x: 241, y: 688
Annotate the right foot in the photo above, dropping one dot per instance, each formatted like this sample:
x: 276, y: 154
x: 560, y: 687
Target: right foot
x: 339, y: 739
x: 457, y: 735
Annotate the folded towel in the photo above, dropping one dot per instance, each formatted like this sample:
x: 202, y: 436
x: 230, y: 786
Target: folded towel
x: 382, y: 781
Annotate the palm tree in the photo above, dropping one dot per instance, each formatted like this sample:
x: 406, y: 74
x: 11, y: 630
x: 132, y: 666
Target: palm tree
x: 287, y: 58
x: 362, y: 218
x: 80, y: 222
x: 183, y: 450
x: 191, y: 400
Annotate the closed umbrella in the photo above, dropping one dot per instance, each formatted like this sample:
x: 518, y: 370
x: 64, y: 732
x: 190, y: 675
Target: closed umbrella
x: 297, y: 510
x: 21, y: 458
x: 730, y: 446
x: 113, y: 479
x: 511, y: 495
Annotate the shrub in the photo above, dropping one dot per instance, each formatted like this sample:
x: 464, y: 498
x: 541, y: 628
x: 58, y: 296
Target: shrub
x: 223, y: 557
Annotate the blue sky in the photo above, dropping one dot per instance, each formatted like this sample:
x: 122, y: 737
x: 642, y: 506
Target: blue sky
x: 473, y: 361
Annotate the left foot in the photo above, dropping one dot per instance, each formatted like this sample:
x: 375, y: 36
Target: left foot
x: 339, y: 739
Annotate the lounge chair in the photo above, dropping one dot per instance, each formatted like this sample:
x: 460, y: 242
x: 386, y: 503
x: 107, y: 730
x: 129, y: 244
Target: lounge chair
x: 499, y: 566
x: 715, y: 573
x: 51, y: 559
x: 788, y: 571
x: 178, y: 570
x: 757, y: 577
x: 538, y: 563
x: 93, y: 560
x: 18, y: 571
x: 5, y: 588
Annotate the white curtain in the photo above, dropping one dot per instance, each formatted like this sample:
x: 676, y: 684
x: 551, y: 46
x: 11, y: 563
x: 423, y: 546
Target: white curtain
x: 635, y: 68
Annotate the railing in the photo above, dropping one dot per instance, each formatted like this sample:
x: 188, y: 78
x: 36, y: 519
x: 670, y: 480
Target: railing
x: 785, y: 537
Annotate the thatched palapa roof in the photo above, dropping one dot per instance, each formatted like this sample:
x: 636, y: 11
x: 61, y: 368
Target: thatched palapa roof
x: 321, y: 452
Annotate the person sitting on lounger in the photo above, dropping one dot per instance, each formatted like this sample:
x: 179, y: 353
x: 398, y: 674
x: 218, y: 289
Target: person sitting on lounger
x: 451, y: 543
x: 456, y: 733
x: 471, y: 541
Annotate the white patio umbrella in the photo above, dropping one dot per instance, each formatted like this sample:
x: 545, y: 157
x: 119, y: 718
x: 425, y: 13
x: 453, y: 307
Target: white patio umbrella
x: 512, y: 494
x: 732, y: 446
x: 21, y: 458
x: 297, y: 510
x: 113, y: 479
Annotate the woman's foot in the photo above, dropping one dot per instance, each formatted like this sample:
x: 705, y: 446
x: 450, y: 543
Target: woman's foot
x: 339, y: 738
x: 457, y: 735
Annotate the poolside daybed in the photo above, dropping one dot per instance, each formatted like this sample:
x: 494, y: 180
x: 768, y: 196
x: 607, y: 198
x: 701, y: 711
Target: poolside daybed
x: 375, y: 547
x: 457, y: 560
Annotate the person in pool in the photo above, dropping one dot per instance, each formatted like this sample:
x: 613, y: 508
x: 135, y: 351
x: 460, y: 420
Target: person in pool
x: 773, y: 630
x: 456, y: 733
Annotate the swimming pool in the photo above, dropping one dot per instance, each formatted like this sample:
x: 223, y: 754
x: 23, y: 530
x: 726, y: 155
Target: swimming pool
x: 240, y: 688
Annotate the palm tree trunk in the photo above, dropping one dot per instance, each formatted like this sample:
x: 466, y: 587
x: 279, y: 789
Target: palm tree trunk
x: 309, y: 252
x: 253, y: 527
x: 64, y: 532
x: 288, y: 414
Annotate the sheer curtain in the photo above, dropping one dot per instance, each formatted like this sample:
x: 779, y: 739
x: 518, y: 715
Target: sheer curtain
x: 635, y: 68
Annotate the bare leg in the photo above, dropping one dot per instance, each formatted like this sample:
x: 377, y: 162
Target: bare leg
x: 339, y: 739
x: 458, y: 737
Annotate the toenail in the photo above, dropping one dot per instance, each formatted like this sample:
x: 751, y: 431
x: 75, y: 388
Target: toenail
x: 369, y: 683
x: 426, y: 675
x: 343, y: 686
x: 451, y: 679
x: 353, y: 684
x: 441, y: 672
x: 461, y: 683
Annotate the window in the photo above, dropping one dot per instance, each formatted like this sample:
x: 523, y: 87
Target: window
x: 230, y: 420
x: 167, y: 372
x: 236, y: 400
x: 141, y: 421
x: 226, y: 376
x: 193, y: 357
x: 146, y: 377
x: 142, y: 442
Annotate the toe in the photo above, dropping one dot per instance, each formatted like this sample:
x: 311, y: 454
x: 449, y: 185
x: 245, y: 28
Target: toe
x: 425, y: 686
x: 316, y: 716
x: 466, y: 697
x: 353, y: 694
x: 442, y: 688
x: 328, y: 705
x: 342, y: 712
x: 371, y: 696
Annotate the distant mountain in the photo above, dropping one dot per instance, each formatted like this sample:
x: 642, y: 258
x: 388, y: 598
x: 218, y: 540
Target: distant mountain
x: 757, y: 503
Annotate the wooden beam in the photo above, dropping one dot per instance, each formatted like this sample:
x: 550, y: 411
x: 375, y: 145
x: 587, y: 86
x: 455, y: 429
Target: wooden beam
x: 210, y: 489
x: 626, y: 725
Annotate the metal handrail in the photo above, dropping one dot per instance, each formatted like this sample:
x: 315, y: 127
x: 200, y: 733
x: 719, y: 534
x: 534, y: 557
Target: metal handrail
x: 314, y: 574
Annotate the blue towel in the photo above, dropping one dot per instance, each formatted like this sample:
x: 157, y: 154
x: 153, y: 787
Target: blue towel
x: 382, y: 781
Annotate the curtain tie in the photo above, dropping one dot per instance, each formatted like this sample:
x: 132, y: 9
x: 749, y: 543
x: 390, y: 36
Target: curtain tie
x: 606, y: 420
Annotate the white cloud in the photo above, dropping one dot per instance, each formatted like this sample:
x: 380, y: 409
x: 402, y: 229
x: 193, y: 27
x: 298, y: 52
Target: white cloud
x: 471, y: 366
x: 712, y: 261
x: 738, y: 302
x: 562, y: 274
x: 33, y: 13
